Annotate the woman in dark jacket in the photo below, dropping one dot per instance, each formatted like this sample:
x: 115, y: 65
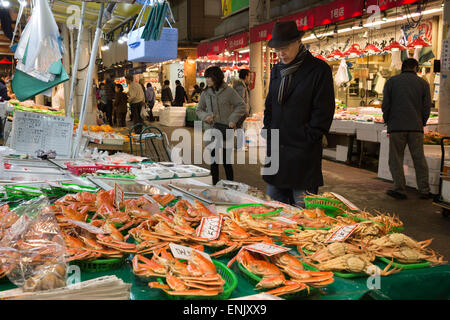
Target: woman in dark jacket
x: 220, y: 107
x: 166, y: 94
x: 120, y: 105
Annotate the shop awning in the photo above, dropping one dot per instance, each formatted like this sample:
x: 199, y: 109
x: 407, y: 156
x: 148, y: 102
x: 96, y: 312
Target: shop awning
x: 386, y: 5
x: 236, y: 42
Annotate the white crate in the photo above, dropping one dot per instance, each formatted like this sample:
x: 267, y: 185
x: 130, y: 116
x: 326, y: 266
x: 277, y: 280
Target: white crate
x: 341, y: 153
x: 330, y: 153
x: 366, y: 131
x: 343, y: 126
x: 173, y: 117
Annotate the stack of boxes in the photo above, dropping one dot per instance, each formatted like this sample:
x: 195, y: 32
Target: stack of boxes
x: 173, y: 116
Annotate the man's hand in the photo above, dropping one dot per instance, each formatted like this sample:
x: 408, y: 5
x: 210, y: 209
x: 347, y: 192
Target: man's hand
x: 232, y: 125
x: 209, y: 119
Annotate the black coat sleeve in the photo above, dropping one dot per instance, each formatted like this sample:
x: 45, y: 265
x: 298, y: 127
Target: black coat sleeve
x: 386, y: 105
x: 426, y: 103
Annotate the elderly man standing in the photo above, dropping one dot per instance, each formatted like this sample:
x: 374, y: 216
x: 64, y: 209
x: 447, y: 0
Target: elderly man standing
x: 406, y: 108
x: 300, y: 105
x: 135, y: 98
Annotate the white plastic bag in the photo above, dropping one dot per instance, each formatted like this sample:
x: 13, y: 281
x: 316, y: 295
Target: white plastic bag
x: 342, y: 74
x: 39, y: 44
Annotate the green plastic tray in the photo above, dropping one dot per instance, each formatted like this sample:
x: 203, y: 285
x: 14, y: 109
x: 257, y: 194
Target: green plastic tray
x: 411, y: 266
x: 100, y: 264
x: 273, y: 213
x: 231, y: 282
x: 331, y: 207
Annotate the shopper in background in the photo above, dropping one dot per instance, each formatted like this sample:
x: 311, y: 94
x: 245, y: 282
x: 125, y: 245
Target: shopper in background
x: 120, y: 106
x: 136, y: 99
x: 180, y: 95
x: 196, y: 94
x: 166, y: 94
x: 300, y: 105
x: 220, y: 107
x: 202, y: 86
x: 150, y: 97
x: 241, y: 87
x: 3, y: 87
x: 406, y: 108
x: 109, y: 92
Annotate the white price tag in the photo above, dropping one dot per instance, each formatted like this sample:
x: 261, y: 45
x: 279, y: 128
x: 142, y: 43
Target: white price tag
x: 342, y: 233
x: 210, y: 227
x: 118, y: 196
x: 266, y: 248
x: 86, y: 226
x: 183, y: 252
x: 212, y: 208
x: 346, y: 202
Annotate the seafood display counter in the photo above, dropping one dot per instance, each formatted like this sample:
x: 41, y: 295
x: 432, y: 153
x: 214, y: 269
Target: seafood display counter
x: 183, y: 239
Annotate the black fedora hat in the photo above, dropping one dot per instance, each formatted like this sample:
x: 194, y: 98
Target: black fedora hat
x: 284, y: 33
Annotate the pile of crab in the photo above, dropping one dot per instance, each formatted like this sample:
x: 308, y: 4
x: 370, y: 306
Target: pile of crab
x: 197, y: 276
x: 358, y: 252
x: 7, y: 219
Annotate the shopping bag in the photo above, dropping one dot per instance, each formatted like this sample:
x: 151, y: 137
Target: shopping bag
x: 26, y: 86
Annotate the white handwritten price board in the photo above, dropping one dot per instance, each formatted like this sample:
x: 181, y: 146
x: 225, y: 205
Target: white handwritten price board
x: 350, y: 205
x: 266, y: 248
x: 210, y: 227
x: 34, y: 131
x: 342, y: 233
x: 183, y: 252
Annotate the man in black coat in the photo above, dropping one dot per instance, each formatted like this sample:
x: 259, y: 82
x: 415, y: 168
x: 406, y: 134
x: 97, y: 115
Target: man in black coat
x: 180, y: 95
x: 300, y: 105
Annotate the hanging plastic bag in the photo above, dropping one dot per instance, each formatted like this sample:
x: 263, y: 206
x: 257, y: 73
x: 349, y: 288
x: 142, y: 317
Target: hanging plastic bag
x: 39, y: 45
x: 33, y: 250
x: 342, y: 74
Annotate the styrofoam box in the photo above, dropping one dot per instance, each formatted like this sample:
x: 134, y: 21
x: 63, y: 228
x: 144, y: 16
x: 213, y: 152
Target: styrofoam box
x: 446, y: 191
x: 343, y: 126
x: 330, y: 153
x: 433, y: 176
x: 341, y: 153
x: 366, y: 131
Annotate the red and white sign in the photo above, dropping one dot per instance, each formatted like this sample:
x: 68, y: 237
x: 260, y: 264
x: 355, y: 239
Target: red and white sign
x: 216, y: 47
x: 202, y: 50
x: 210, y: 227
x: 238, y: 41
x: 388, y: 4
x: 118, y: 196
x: 266, y: 248
x: 304, y: 19
x: 349, y: 204
x: 262, y: 32
x: 342, y: 233
x: 337, y: 11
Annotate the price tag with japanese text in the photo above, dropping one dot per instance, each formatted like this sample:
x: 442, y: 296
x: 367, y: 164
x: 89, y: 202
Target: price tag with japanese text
x: 342, y: 233
x: 350, y: 205
x: 183, y: 252
x: 266, y: 248
x: 118, y: 196
x: 210, y: 227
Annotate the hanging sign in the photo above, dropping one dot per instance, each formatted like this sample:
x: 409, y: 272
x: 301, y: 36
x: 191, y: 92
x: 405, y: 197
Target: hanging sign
x: 388, y: 4
x: 262, y: 32
x: 35, y: 131
x: 237, y: 42
x: 202, y: 50
x: 216, y: 47
x: 337, y: 11
x: 304, y: 19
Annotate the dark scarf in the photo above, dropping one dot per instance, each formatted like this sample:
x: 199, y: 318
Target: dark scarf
x: 287, y: 71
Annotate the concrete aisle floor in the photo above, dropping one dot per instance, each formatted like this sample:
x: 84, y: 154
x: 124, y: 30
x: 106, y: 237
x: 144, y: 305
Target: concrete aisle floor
x: 422, y: 220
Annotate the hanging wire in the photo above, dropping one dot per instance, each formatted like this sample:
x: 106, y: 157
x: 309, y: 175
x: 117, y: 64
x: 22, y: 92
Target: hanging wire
x: 313, y: 32
x: 421, y: 6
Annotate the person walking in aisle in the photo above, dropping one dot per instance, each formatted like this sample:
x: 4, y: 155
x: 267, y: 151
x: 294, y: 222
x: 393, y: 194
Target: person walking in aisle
x: 135, y: 99
x: 300, y: 105
x: 406, y: 108
x: 166, y: 94
x: 196, y: 94
x: 120, y: 105
x: 150, y: 97
x: 220, y: 107
x: 110, y: 94
x: 180, y: 95
x: 241, y: 87
x: 3, y: 88
x: 202, y: 86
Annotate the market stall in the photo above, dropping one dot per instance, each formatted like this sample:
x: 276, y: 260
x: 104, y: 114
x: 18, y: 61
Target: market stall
x: 129, y: 228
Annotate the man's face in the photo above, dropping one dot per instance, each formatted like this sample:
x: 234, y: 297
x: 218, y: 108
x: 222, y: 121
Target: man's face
x: 288, y: 53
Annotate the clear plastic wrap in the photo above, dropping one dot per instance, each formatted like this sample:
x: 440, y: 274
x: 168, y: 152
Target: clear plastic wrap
x: 33, y: 250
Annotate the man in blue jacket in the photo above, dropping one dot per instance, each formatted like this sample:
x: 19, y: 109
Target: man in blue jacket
x: 406, y: 108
